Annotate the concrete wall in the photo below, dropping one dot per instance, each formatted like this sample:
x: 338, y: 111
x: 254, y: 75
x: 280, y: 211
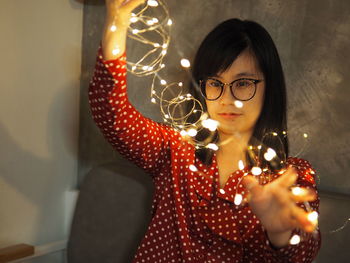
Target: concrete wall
x: 39, y: 105
x: 313, y: 39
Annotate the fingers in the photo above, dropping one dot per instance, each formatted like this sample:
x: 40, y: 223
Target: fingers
x: 302, y: 219
x: 288, y: 178
x: 302, y: 194
x: 252, y: 185
x: 132, y: 4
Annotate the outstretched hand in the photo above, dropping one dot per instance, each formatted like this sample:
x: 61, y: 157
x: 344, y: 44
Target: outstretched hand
x: 275, y: 205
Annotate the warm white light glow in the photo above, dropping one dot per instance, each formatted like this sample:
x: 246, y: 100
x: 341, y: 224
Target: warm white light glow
x: 170, y: 22
x: 180, y: 84
x: 115, y: 51
x: 313, y: 217
x: 297, y: 190
x: 274, y: 134
x: 153, y: 100
x: 256, y: 170
x: 113, y: 28
x: 163, y: 82
x: 238, y: 104
x: 213, y: 146
x: 295, y: 240
x: 270, y: 154
x: 135, y: 31
x: 210, y: 124
x: 152, y: 3
x: 183, y: 133
x: 240, y: 165
x: 185, y: 63
x: 163, y: 52
x: 222, y: 191
x: 238, y: 199
x: 133, y: 19
x: 305, y: 135
x: 192, y: 132
x: 193, y: 168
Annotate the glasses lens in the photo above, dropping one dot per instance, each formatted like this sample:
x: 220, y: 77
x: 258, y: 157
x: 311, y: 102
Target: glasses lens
x: 243, y: 89
x: 213, y: 89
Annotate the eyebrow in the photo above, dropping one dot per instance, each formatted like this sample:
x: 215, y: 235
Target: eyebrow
x: 242, y: 74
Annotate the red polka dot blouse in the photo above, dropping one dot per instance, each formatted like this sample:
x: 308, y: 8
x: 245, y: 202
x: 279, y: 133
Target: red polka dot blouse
x: 193, y: 219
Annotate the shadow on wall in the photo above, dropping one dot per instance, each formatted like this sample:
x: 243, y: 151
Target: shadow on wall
x: 38, y: 184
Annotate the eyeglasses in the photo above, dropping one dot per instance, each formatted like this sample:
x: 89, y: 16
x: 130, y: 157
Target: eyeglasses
x: 241, y: 89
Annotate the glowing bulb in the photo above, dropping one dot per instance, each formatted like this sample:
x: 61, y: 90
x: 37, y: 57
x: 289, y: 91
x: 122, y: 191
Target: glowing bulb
x: 170, y: 22
x: 180, y: 84
x: 113, y: 28
x: 150, y: 22
x: 238, y: 104
x: 181, y: 97
x: 294, y: 240
x: 297, y: 190
x: 145, y: 67
x: 133, y: 19
x: 133, y: 67
x: 312, y: 217
x: 183, y: 133
x: 305, y: 135
x: 153, y: 100
x: 274, y: 134
x: 156, y: 45
x: 284, y: 132
x: 164, y: 46
x: 164, y: 52
x: 163, y: 82
x: 222, y: 191
x: 256, y: 170
x: 155, y: 20
x: 210, y: 124
x: 240, y: 165
x: 135, y: 31
x: 193, y: 168
x: 259, y: 147
x: 270, y: 154
x: 115, y: 51
x: 192, y: 132
x: 238, y: 199
x: 212, y: 146
x: 162, y: 65
x: 166, y: 116
x: 152, y: 3
x: 185, y: 63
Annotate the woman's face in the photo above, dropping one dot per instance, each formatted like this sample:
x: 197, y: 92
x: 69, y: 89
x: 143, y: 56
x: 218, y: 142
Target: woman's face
x: 233, y: 119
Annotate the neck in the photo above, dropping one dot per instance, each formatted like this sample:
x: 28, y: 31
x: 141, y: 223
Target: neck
x: 234, y: 145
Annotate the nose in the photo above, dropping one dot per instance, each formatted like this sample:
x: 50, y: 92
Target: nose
x: 227, y: 97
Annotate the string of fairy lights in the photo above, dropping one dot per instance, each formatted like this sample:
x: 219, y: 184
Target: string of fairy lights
x: 154, y: 32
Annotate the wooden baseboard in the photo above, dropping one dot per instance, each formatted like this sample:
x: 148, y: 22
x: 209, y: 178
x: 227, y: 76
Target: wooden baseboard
x: 15, y: 252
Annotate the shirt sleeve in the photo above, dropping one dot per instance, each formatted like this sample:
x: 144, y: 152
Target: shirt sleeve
x: 139, y: 139
x: 306, y: 250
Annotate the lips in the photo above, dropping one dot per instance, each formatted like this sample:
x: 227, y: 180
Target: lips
x: 229, y: 115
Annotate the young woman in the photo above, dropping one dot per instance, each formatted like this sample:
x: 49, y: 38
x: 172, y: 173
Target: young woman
x: 194, y: 215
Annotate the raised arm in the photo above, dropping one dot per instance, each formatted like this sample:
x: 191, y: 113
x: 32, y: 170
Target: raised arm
x: 139, y: 139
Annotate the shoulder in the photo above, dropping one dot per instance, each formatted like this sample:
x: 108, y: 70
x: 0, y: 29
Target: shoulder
x: 305, y: 171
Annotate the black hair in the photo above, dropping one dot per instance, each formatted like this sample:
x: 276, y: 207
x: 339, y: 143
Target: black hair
x: 216, y: 54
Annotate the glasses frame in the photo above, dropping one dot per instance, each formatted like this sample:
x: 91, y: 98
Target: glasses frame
x: 222, y: 85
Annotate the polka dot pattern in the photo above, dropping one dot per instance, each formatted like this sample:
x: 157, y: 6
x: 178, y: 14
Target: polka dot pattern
x: 193, y: 219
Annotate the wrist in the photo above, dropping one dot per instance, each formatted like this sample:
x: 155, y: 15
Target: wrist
x: 279, y: 239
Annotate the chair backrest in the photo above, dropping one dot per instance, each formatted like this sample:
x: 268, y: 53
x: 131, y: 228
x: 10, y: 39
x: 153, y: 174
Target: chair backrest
x: 111, y: 215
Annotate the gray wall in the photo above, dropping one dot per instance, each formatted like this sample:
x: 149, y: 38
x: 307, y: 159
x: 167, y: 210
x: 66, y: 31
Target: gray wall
x: 313, y: 39
x: 40, y: 51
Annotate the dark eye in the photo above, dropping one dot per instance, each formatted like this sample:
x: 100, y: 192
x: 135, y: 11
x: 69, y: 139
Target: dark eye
x: 213, y: 83
x: 243, y: 83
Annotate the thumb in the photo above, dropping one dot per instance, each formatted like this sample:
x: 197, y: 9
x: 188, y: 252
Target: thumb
x: 252, y: 185
x: 132, y: 4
